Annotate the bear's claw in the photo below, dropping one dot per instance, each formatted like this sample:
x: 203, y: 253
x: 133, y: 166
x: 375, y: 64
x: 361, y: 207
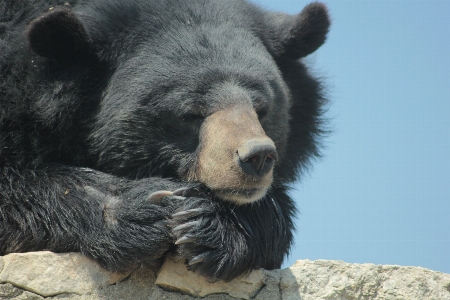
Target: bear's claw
x: 157, y: 196
x: 187, y: 213
x: 188, y: 191
x: 181, y: 193
x: 185, y: 227
x: 185, y: 239
x: 198, y: 258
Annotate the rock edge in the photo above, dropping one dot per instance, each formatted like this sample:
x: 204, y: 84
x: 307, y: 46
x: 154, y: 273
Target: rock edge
x: 36, y: 275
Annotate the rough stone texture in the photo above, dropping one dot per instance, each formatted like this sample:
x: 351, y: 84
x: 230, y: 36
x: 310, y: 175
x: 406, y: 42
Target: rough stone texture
x: 174, y: 276
x: 35, y: 275
x: 331, y: 280
x: 47, y: 274
x: 8, y: 291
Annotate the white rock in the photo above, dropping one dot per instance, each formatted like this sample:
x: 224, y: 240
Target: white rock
x: 330, y: 280
x: 47, y: 274
x: 1, y: 264
x: 34, y: 275
x: 174, y: 276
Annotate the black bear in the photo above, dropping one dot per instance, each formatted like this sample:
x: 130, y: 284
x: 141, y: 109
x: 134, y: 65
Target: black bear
x: 134, y: 128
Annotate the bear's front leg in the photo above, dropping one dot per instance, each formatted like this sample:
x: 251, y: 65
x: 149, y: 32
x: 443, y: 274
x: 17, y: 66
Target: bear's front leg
x: 222, y: 240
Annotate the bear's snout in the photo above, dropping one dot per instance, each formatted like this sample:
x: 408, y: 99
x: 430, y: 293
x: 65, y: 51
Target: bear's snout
x: 236, y: 158
x: 257, y: 157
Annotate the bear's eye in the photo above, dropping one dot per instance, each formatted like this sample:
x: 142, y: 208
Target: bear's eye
x: 192, y: 117
x: 261, y: 108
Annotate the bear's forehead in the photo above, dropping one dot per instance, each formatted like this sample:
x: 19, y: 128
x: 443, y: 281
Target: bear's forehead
x: 178, y: 36
x: 200, y: 53
x: 207, y: 88
x: 159, y: 18
x: 223, y: 77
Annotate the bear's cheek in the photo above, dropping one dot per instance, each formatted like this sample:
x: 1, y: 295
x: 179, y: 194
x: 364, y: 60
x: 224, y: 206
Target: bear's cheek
x: 225, y: 137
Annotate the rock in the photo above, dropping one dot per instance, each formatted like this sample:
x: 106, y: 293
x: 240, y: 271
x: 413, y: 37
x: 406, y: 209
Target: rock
x: 8, y: 291
x: 28, y: 296
x: 323, y: 279
x: 139, y: 285
x: 47, y: 274
x: 2, y: 263
x: 271, y: 289
x: 174, y: 276
x: 70, y: 276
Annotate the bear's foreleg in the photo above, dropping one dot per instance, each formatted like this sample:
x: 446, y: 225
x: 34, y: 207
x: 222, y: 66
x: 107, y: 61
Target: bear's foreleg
x: 62, y: 209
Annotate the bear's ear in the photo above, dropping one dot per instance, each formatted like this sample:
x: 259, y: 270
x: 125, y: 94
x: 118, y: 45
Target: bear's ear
x: 304, y: 33
x: 58, y: 34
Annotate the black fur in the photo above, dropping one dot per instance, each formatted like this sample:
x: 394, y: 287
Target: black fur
x: 101, y: 104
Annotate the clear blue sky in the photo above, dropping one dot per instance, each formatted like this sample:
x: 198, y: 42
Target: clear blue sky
x: 381, y: 194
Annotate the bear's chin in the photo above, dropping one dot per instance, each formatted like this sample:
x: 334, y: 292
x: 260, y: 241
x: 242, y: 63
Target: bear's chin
x: 241, y: 196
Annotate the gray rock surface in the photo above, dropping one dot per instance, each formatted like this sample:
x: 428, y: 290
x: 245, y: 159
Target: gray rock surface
x: 175, y: 277
x: 46, y: 275
x: 331, y: 280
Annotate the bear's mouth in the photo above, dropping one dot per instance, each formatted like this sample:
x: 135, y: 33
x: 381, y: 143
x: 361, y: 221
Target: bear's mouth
x: 241, y: 195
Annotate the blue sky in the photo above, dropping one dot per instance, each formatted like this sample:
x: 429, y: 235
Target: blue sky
x: 381, y: 193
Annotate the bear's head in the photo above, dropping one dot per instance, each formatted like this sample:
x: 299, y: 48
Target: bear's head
x: 205, y: 91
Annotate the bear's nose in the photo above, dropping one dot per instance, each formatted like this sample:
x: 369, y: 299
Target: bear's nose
x: 257, y: 157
